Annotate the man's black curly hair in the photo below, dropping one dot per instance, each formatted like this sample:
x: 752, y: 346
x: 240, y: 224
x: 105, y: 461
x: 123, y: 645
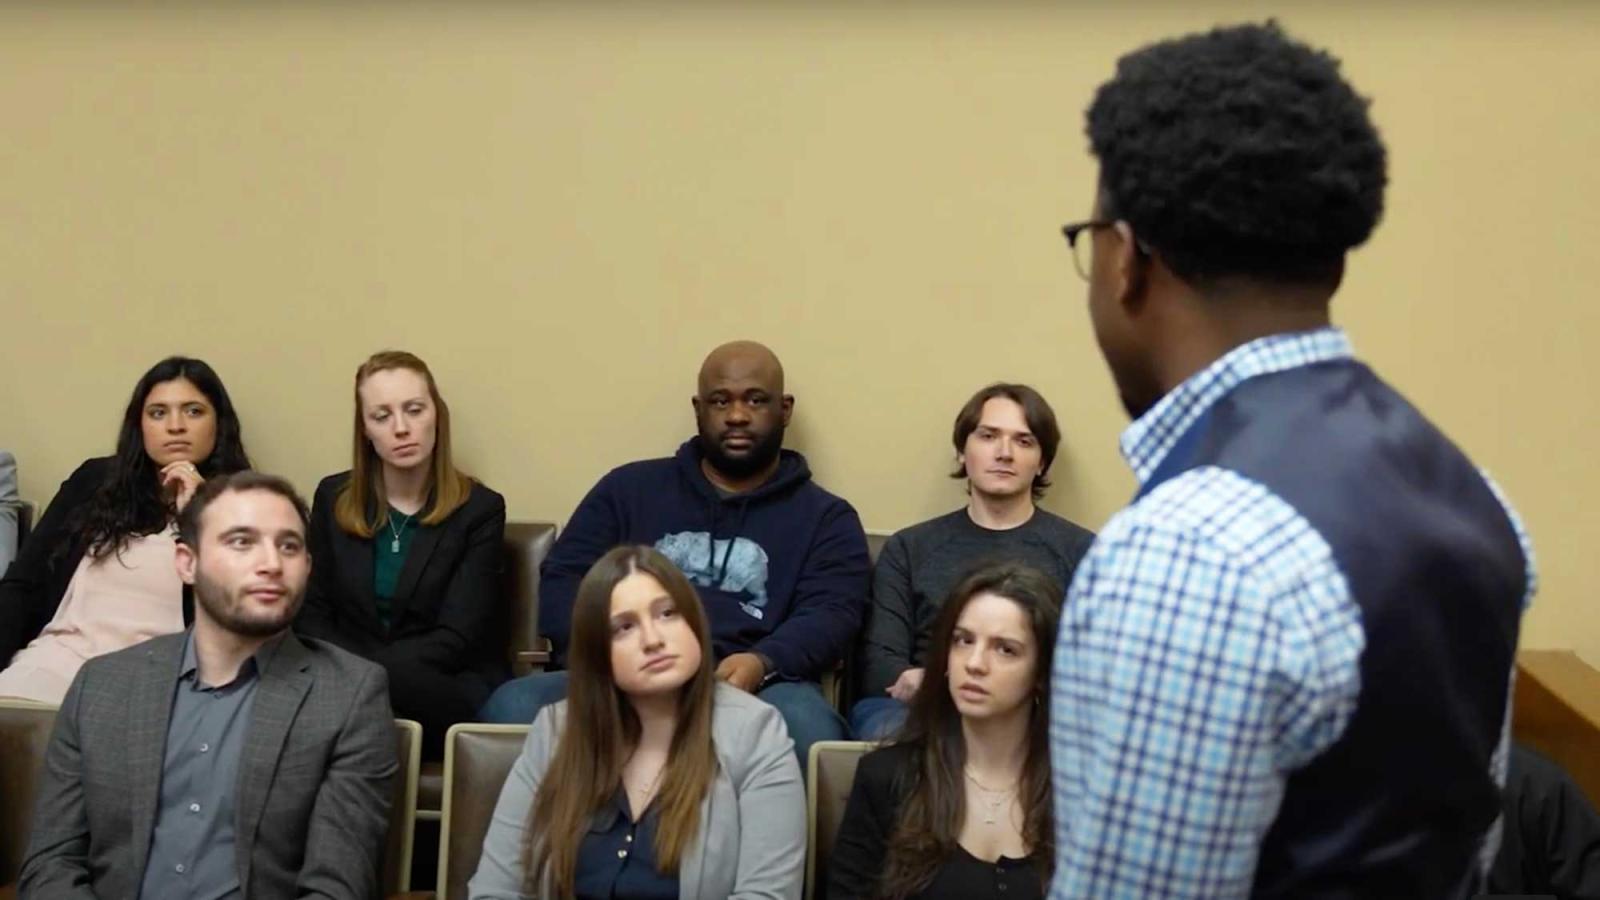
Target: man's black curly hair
x: 1239, y: 152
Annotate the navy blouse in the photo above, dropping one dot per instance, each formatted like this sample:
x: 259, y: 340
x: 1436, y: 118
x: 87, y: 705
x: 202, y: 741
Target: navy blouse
x: 617, y: 859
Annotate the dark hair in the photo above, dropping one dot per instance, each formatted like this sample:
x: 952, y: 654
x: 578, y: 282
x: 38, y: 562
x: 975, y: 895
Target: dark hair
x: 130, y: 502
x: 1238, y: 152
x: 1040, y: 417
x: 189, y: 519
x: 602, y: 730
x: 935, y: 804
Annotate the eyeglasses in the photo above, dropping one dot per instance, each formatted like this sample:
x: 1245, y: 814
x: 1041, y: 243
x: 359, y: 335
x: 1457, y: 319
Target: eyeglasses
x: 1082, y: 252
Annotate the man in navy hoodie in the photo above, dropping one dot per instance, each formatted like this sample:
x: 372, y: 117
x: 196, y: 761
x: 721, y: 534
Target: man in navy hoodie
x: 780, y: 563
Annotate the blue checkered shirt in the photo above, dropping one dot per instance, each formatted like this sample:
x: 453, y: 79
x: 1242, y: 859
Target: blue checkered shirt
x: 1209, y: 647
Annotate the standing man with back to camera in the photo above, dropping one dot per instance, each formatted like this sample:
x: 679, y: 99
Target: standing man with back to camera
x: 1285, y: 669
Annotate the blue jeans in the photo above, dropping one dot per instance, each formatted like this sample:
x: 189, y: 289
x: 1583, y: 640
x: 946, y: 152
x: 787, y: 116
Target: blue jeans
x: 805, y: 711
x: 518, y: 701
x: 875, y: 718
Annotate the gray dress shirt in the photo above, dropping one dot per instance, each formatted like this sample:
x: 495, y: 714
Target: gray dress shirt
x: 192, y: 848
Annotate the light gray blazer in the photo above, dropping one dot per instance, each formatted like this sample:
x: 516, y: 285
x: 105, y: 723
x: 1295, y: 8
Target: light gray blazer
x: 752, y: 840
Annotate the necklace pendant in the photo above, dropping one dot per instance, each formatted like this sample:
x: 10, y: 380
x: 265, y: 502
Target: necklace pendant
x: 394, y: 546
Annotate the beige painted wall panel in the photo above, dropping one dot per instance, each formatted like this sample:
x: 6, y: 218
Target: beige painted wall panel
x: 562, y: 209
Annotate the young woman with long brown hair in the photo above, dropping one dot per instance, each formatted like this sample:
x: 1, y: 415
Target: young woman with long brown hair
x: 408, y: 554
x: 958, y: 806
x: 652, y: 779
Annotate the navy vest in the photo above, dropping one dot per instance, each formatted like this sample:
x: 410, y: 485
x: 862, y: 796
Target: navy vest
x: 1399, y: 805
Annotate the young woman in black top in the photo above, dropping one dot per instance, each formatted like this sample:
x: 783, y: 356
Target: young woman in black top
x: 958, y: 805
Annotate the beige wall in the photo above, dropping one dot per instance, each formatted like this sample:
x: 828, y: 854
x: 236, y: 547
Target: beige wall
x: 564, y: 209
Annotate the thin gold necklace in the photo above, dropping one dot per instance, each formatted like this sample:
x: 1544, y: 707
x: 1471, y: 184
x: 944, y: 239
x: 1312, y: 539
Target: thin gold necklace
x: 989, y: 817
x: 649, y: 791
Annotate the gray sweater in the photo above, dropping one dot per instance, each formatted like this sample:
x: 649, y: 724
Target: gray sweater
x: 921, y: 565
x: 752, y: 840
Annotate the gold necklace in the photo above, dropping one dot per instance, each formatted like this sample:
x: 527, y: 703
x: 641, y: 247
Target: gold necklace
x: 993, y: 805
x: 649, y: 791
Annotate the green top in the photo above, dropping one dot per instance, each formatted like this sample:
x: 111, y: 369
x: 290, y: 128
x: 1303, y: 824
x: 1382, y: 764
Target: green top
x: 390, y: 545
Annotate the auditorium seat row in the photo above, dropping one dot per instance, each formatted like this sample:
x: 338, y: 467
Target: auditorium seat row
x: 1557, y: 712
x: 477, y: 759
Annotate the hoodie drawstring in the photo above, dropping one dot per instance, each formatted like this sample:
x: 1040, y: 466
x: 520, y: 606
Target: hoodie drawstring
x: 744, y: 507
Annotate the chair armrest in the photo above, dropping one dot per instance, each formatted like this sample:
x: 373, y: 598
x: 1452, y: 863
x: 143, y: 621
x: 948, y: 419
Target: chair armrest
x: 534, y: 659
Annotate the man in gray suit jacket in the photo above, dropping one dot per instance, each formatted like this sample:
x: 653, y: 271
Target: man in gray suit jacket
x: 233, y: 760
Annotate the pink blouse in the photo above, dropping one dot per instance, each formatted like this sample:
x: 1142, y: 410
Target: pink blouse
x: 110, y: 604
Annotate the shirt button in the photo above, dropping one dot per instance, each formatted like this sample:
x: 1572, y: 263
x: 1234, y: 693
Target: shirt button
x: 204, y: 747
x: 630, y: 838
x: 194, y: 807
x: 179, y: 867
x: 622, y: 854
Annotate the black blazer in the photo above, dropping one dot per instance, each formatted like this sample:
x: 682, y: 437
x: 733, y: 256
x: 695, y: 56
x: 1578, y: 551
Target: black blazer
x: 449, y: 609
x: 855, y: 869
x: 856, y: 864
x: 31, y: 591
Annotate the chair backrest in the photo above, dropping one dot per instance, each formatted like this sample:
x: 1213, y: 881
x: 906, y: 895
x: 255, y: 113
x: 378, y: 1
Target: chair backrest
x: 24, y: 735
x: 830, y: 772
x: 402, y: 814
x: 526, y: 545
x: 477, y: 759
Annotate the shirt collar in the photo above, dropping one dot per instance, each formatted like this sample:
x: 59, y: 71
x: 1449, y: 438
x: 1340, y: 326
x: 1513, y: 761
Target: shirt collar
x: 256, y: 665
x: 1151, y: 437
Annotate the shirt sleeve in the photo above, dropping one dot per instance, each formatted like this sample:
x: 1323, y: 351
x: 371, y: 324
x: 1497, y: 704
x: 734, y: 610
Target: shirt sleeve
x: 891, y: 634
x: 830, y: 596
x: 595, y: 527
x: 772, y: 854
x: 1208, y: 647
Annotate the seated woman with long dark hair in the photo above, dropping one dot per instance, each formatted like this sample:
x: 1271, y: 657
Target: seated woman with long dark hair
x: 958, y: 806
x: 97, y: 573
x: 407, y: 554
x: 652, y: 779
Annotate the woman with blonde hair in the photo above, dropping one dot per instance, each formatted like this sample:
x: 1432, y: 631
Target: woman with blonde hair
x: 407, y: 554
x: 652, y: 779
